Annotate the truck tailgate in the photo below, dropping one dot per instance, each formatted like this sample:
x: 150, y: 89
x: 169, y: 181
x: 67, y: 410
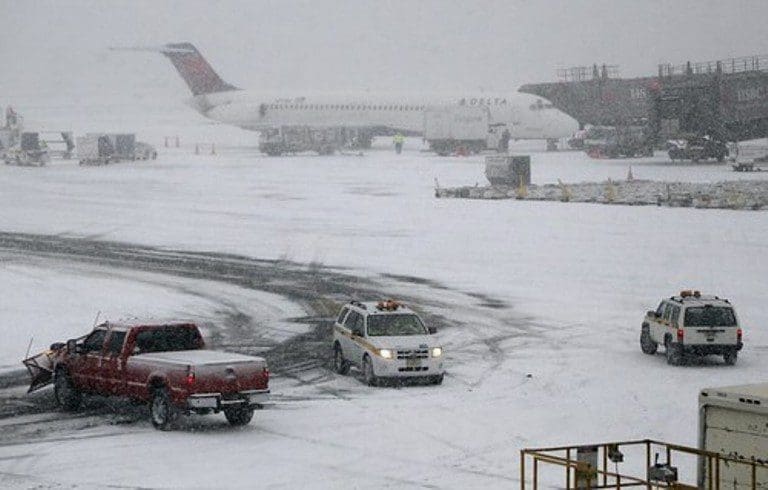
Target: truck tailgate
x: 216, y: 372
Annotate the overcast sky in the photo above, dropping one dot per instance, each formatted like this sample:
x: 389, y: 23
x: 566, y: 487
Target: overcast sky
x: 59, y: 47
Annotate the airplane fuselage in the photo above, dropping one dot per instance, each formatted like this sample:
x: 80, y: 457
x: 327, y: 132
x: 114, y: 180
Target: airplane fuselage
x: 526, y: 116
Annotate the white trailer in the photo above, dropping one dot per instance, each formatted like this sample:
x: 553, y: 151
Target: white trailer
x: 449, y: 129
x: 733, y: 421
x: 94, y: 149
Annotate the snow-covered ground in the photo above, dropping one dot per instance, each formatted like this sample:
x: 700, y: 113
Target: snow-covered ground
x: 574, y: 281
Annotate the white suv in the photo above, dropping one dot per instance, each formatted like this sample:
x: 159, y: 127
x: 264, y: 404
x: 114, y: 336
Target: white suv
x: 692, y: 323
x: 385, y: 340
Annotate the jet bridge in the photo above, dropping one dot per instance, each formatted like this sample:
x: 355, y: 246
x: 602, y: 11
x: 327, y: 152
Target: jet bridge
x: 724, y: 97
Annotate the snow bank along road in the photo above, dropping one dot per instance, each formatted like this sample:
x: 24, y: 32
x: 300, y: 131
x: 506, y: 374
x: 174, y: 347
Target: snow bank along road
x: 513, y: 381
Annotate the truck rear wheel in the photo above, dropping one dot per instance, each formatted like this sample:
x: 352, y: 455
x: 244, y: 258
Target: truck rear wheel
x: 647, y: 345
x: 161, y: 410
x: 67, y: 396
x: 340, y: 365
x: 730, y: 357
x: 674, y: 356
x: 237, y: 416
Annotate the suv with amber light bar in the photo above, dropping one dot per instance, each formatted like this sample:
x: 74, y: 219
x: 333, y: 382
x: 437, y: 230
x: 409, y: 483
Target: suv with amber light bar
x: 692, y: 324
x: 385, y: 339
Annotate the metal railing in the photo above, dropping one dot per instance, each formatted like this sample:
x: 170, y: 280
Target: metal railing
x: 731, y: 65
x: 580, y: 474
x: 585, y: 73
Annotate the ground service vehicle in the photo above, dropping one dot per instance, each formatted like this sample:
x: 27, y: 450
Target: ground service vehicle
x: 692, y: 324
x: 31, y: 151
x: 164, y: 364
x: 616, y: 142
x: 697, y: 148
x: 296, y: 139
x: 733, y: 421
x: 385, y: 340
x: 457, y: 129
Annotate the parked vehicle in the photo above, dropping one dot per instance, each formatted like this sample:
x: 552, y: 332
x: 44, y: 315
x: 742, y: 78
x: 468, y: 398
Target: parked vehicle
x: 616, y: 142
x: 296, y: 139
x: 697, y: 149
x: 164, y: 364
x: 692, y: 324
x: 385, y: 340
x: 31, y: 151
x: 455, y: 129
x: 733, y: 421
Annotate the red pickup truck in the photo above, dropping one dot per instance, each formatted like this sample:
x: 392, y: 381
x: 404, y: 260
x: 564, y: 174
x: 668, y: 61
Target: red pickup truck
x: 163, y: 364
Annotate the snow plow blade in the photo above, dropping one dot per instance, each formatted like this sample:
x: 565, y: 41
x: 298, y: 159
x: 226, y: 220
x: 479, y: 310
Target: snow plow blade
x: 40, y: 369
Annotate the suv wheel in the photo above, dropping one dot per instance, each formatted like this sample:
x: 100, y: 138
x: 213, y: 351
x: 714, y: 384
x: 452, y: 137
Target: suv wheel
x: 66, y: 394
x: 340, y: 365
x: 647, y: 345
x: 161, y: 410
x: 673, y: 353
x: 368, y: 374
x: 730, y: 357
x: 238, y: 415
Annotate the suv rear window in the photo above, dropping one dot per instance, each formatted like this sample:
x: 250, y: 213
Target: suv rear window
x: 168, y: 339
x: 709, y: 316
x: 392, y: 325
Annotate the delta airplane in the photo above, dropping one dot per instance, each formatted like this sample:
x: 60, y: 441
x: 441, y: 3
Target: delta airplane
x: 525, y: 116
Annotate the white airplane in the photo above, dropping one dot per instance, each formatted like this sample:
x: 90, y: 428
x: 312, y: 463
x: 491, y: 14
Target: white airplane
x: 526, y: 116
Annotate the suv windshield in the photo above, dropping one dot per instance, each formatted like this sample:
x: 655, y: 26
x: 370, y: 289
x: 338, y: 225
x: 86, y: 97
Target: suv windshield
x: 393, y: 325
x: 709, y: 316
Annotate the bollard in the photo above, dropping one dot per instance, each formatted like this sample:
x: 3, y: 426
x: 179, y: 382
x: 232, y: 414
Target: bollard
x: 610, y: 191
x: 197, y: 148
x: 166, y: 141
x: 630, y: 177
x: 177, y: 142
x: 522, y: 190
x: 213, y: 148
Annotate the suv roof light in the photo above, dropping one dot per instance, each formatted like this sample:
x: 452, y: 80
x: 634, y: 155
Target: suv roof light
x: 388, y: 305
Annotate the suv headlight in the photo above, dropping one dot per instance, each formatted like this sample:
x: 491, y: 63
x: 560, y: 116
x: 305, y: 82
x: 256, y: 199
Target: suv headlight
x: 387, y: 353
x: 437, y: 351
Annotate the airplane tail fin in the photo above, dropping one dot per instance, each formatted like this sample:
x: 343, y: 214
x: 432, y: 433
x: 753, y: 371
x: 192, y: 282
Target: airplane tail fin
x: 193, y: 68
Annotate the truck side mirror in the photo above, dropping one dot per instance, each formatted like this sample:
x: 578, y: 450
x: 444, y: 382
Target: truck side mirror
x: 72, y: 346
x: 432, y: 330
x: 57, y: 345
x: 653, y: 314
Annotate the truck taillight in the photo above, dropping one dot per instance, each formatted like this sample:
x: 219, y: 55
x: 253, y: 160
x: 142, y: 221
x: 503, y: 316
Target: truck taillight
x: 738, y: 334
x: 190, y: 376
x: 680, y: 334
